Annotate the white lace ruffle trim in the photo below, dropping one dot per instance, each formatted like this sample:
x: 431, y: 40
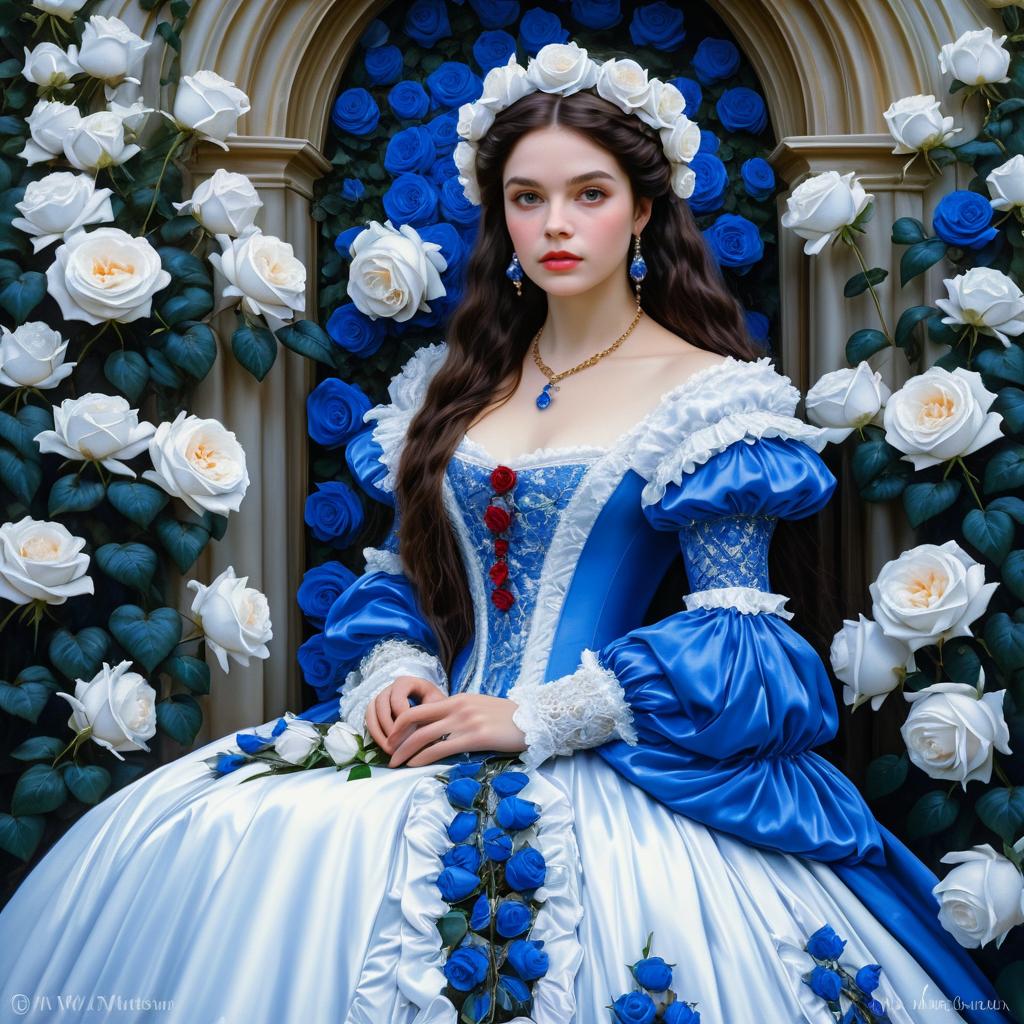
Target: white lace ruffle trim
x: 748, y: 600
x: 576, y: 711
x: 420, y: 974
x: 382, y: 560
x: 379, y: 668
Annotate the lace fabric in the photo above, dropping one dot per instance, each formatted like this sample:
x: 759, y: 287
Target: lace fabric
x: 729, y: 551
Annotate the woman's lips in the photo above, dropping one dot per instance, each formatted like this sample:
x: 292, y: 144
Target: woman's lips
x: 560, y: 263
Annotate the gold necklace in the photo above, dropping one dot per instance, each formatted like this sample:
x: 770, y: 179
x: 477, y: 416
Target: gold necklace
x: 543, y: 400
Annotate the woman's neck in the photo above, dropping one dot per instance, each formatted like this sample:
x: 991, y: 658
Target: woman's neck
x: 579, y: 326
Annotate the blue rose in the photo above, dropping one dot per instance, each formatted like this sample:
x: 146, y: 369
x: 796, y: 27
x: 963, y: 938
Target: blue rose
x: 352, y: 190
x: 512, y: 918
x: 411, y: 149
x: 376, y: 34
x: 634, y: 1008
x: 462, y: 792
x: 464, y: 855
x: 528, y: 959
x: 709, y: 141
x: 462, y: 826
x: 453, y: 83
x: 444, y: 130
x: 963, y: 218
x: 653, y: 974
x: 480, y: 918
x: 441, y: 170
x: 693, y: 95
x: 455, y: 207
x: 334, y: 513
x: 680, y: 1013
x: 355, y: 332
x: 465, y: 770
x: 344, y: 241
x: 321, y: 586
x: 230, y: 762
x: 456, y: 884
x: 515, y: 988
x: 712, y: 181
x: 525, y: 869
x: 334, y: 412
x: 597, y: 14
x: 411, y: 199
x: 868, y: 977
x: 466, y: 967
x: 538, y: 28
x: 426, y: 21
x: 715, y: 59
x: 355, y: 111
x: 497, y: 844
x: 825, y: 982
x: 515, y: 814
x: 824, y: 944
x: 735, y: 242
x: 383, y: 65
x: 453, y: 249
x: 758, y: 178
x: 408, y: 100
x: 659, y: 25
x: 321, y: 671
x: 252, y: 742
x: 876, y: 1008
x: 742, y: 110
x: 758, y: 325
x: 493, y: 48
x: 509, y: 783
x: 495, y: 13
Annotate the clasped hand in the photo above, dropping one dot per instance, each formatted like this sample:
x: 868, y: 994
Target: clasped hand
x: 412, y: 735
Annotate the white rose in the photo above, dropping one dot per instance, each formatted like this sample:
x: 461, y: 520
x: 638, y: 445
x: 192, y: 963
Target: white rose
x: 263, y: 272
x: 64, y: 9
x: 209, y: 105
x: 917, y: 124
x: 133, y: 116
x: 505, y: 84
x: 1006, y: 184
x: 976, y: 58
x: 664, y: 105
x: 41, y: 561
x: 931, y: 592
x: 822, y: 205
x: 234, y: 617
x: 951, y: 731
x: 99, y: 428
x: 394, y: 273
x: 106, y: 274
x: 111, y: 51
x: 200, y: 462
x: 475, y: 120
x: 938, y: 415
x: 846, y: 399
x: 561, y: 67
x: 50, y: 67
x: 299, y: 739
x: 684, y: 180
x: 624, y: 83
x: 342, y: 742
x: 98, y: 141
x: 867, y: 662
x: 48, y: 123
x: 681, y: 141
x: 119, y: 706
x: 225, y: 204
x: 464, y: 158
x: 986, y: 299
x: 982, y: 899
x: 60, y: 204
x: 32, y: 356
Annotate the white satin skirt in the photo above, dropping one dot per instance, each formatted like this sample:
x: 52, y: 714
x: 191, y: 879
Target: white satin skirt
x: 187, y: 898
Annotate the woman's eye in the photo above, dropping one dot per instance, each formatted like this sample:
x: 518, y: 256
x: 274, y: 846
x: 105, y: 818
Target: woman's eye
x: 597, y: 190
x: 587, y: 191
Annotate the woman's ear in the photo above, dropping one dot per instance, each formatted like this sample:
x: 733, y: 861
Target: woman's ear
x: 643, y: 214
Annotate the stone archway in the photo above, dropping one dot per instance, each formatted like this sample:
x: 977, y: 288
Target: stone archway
x: 828, y: 72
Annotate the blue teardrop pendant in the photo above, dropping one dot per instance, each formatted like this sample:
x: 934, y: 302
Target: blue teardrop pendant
x: 544, y: 398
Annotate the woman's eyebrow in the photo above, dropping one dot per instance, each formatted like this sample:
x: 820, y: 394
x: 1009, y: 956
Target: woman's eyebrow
x: 572, y: 181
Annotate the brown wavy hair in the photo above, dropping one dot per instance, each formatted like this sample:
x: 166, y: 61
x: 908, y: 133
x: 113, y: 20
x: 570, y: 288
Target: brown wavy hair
x: 490, y: 331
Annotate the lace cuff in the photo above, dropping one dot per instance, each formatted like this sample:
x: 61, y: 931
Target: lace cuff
x: 379, y: 669
x: 580, y: 710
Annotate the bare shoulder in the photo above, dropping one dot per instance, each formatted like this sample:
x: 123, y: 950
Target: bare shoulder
x: 679, y: 358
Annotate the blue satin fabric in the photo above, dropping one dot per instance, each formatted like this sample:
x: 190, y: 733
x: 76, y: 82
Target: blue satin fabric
x: 362, y: 454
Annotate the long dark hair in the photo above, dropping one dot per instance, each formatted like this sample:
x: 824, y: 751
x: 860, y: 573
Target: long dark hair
x: 490, y: 331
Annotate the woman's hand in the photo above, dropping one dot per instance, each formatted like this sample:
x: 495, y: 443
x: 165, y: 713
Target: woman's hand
x: 393, y: 700
x: 470, y: 721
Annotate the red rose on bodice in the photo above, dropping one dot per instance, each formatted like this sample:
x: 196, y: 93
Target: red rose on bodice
x: 496, y: 518
x: 503, y: 599
x: 503, y: 479
x: 498, y: 573
x: 501, y: 547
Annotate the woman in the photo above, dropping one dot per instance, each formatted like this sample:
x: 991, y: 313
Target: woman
x: 673, y: 761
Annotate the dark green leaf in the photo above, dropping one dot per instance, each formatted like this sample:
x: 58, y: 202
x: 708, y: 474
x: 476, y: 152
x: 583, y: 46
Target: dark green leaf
x: 178, y: 228
x: 860, y: 282
x: 137, y: 502
x: 39, y: 789
x: 1013, y: 507
x: 923, y: 501
x: 192, y: 673
x: 186, y: 269
x: 308, y: 339
x: 933, y: 813
x: 1013, y: 574
x: 194, y: 350
x: 871, y: 458
x: 128, y: 372
x: 971, y: 151
x: 989, y: 532
x: 164, y: 374
x: 1002, y: 810
x: 21, y: 836
x: 909, y: 319
x: 453, y: 927
x: 1005, y: 470
x: 74, y: 494
x: 79, y: 655
x: 165, y: 31
x: 20, y: 476
x: 919, y: 257
x: 20, y: 296
x: 907, y: 231
x: 180, y: 717
x: 192, y: 304
x: 1002, y: 363
x: 38, y: 748
x: 87, y: 782
x: 131, y: 564
x: 184, y: 542
x: 1005, y: 640
x: 885, y: 775
x: 21, y: 437
x: 863, y: 344
x: 147, y: 638
x: 1009, y: 404
x: 255, y: 348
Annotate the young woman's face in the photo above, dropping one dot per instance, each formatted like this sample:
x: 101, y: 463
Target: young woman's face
x: 564, y: 193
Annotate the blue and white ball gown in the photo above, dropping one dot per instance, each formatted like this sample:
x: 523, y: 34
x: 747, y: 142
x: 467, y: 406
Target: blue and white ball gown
x: 674, y: 763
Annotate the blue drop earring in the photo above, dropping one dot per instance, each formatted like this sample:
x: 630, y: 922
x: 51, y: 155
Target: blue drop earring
x: 514, y: 272
x: 638, y: 268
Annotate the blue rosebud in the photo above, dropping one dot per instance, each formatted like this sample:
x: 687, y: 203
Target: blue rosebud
x: 495, y: 13
x: 462, y: 826
x: 408, y: 100
x: 852, y: 1016
x: 512, y: 918
x: 515, y: 988
x: 355, y: 111
x: 825, y: 982
x: 279, y: 727
x: 653, y: 974
x: 597, y: 14
x: 963, y: 218
x: 252, y: 742
x: 477, y: 1006
x: 455, y: 206
x: 465, y: 770
x: 868, y: 978
x: 352, y: 190
x: 355, y: 331
x: 321, y: 586
x: 876, y: 1008
x: 493, y: 48
x: 742, y: 110
x: 456, y: 883
x: 480, y: 917
x: 634, y: 1008
x: 659, y: 25
x: 758, y: 177
x: 462, y: 792
x: 323, y: 672
x: 230, y: 762
x: 411, y: 199
x: 444, y: 131
x: 824, y: 944
x: 411, y: 149
x: 528, y: 959
x: 453, y: 83
x: 334, y: 412
x: 709, y: 142
x: 680, y: 1013
x: 515, y: 814
x: 466, y: 967
x: 715, y: 59
x: 426, y: 22
x: 712, y: 180
x: 693, y: 95
x: 383, y: 65
x: 509, y: 783
x: 735, y: 242
x: 538, y: 27
x: 463, y: 855
x: 526, y: 869
x: 376, y: 34
x: 333, y: 513
x: 497, y: 844
x: 344, y: 241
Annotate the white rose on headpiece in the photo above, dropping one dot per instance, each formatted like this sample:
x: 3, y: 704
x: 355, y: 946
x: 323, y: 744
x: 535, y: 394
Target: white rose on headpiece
x: 235, y: 618
x: 32, y: 355
x: 682, y: 141
x: 209, y: 105
x: 106, y: 274
x: 982, y: 899
x: 475, y: 120
x: 624, y: 82
x: 664, y: 106
x: 50, y: 67
x: 845, y: 400
x: 97, y: 141
x: 683, y: 180
x: 867, y: 662
x: 42, y: 561
x: 60, y: 204
x: 1006, y: 184
x: 225, y: 204
x: 987, y: 299
x: 48, y: 123
x: 200, y: 462
x: 561, y: 67
x: 464, y: 156
x: 298, y: 740
x: 111, y: 51
x: 916, y: 123
x: 976, y: 58
x: 119, y: 706
x: 394, y: 273
x: 822, y: 205
x: 931, y: 592
x: 505, y: 84
x: 263, y: 272
x: 342, y: 742
x: 63, y: 9
x: 938, y: 415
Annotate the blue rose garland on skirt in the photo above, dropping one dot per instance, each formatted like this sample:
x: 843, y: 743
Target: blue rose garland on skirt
x: 654, y: 1000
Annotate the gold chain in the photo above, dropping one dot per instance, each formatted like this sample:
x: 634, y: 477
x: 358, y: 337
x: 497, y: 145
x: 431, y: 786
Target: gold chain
x: 555, y: 377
